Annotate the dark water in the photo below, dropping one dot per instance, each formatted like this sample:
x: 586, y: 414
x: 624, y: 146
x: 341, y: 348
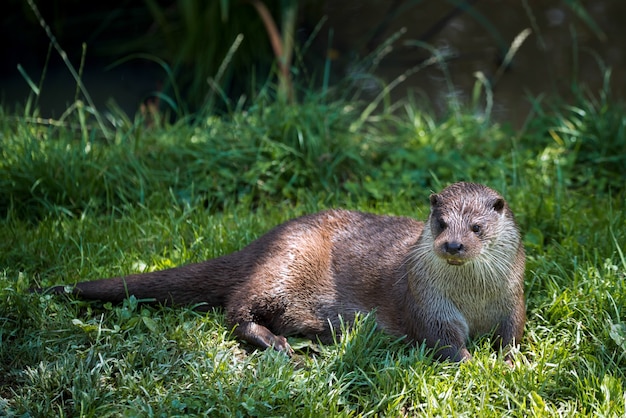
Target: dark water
x: 562, y: 48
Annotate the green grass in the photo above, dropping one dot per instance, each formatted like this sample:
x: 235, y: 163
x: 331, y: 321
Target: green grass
x: 77, y: 207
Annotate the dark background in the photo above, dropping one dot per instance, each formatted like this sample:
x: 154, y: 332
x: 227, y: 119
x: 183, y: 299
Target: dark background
x: 572, y: 45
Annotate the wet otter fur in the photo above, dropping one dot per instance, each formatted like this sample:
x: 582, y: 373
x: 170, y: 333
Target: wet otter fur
x: 459, y: 275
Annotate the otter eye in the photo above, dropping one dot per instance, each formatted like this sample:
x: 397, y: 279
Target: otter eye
x: 442, y: 224
x: 476, y: 228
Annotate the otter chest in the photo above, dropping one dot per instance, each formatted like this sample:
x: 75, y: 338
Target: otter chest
x: 477, y: 302
x: 481, y: 314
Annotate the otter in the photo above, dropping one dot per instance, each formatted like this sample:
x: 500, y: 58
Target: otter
x: 456, y: 276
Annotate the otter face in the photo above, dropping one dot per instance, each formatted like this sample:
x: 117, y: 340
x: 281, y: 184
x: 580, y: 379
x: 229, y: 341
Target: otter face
x: 463, y: 221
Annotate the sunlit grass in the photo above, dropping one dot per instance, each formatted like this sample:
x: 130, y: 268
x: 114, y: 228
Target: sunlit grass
x: 76, y: 207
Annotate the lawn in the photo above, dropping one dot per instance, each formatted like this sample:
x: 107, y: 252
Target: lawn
x: 78, y: 206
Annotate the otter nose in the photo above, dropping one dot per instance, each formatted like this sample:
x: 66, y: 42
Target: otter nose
x: 453, y: 247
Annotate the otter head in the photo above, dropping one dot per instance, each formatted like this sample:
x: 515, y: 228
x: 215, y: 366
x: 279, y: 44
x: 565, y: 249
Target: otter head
x: 465, y: 218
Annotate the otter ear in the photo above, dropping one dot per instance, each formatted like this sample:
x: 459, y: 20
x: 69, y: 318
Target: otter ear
x: 498, y: 205
x: 434, y: 200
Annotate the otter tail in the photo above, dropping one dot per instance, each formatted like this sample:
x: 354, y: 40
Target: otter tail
x: 205, y: 284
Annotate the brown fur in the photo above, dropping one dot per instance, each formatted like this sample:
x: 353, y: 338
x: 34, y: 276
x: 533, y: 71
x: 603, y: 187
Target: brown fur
x: 457, y: 276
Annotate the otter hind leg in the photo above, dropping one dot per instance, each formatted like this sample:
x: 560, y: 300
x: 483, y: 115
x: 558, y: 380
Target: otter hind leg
x: 262, y: 337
